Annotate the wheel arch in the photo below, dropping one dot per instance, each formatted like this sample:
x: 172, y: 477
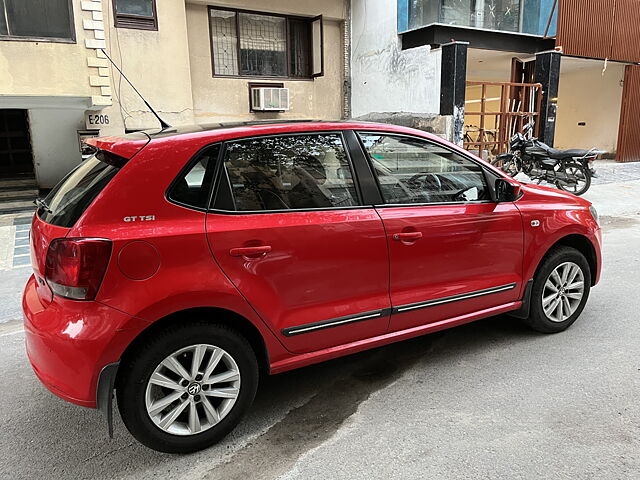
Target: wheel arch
x: 583, y: 245
x: 215, y: 315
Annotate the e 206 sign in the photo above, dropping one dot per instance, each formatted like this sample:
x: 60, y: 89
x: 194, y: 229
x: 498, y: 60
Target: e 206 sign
x: 96, y: 120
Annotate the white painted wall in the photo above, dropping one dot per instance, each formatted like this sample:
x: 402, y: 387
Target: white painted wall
x: 385, y: 78
x: 54, y: 141
x: 592, y: 94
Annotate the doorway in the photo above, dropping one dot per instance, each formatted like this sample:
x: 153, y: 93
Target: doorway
x: 16, y: 157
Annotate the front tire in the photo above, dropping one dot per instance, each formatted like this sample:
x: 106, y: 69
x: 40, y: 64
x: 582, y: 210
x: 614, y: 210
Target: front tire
x: 560, y: 290
x: 187, y: 387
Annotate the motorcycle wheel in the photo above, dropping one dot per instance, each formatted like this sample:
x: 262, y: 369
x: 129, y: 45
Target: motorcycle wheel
x: 508, y: 166
x: 582, y: 176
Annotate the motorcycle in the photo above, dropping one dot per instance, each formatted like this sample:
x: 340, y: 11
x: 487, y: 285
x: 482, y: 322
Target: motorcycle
x: 570, y: 170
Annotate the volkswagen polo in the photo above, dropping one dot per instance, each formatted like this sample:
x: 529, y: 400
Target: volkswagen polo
x: 176, y: 267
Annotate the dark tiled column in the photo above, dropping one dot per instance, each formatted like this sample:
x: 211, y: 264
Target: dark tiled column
x: 548, y: 74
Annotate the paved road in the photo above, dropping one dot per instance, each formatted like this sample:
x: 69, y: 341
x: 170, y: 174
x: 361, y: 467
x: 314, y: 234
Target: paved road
x: 486, y: 400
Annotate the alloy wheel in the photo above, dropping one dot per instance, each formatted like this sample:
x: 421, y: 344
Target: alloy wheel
x: 192, y: 389
x: 563, y: 291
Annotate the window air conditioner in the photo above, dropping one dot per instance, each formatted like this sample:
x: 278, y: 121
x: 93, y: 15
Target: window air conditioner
x: 270, y: 99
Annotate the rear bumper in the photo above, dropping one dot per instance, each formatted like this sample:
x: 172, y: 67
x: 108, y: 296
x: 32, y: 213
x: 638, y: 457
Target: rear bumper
x: 70, y: 342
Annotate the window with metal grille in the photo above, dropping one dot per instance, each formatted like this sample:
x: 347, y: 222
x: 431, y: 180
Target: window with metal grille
x: 138, y: 14
x: 265, y: 45
x: 37, y: 19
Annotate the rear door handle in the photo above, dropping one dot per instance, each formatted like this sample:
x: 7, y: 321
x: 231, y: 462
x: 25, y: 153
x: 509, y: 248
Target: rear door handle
x: 250, y: 251
x: 407, y: 236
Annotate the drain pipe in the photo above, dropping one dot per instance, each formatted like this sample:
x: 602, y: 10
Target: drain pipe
x: 346, y: 88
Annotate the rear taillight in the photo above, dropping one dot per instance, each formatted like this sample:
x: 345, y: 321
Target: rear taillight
x: 75, y: 266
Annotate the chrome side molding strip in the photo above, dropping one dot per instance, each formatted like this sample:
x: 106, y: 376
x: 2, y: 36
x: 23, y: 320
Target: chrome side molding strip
x: 334, y: 322
x: 453, y: 298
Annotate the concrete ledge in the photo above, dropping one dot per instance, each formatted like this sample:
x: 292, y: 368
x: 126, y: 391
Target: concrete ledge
x: 441, y: 125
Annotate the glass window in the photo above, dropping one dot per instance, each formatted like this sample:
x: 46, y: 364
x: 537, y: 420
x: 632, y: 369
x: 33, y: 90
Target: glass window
x: 135, y: 7
x: 268, y: 45
x: 139, y: 14
x: 194, y: 187
x: 290, y: 172
x: 72, y: 196
x: 36, y: 19
x: 410, y: 170
x: 263, y: 45
x: 530, y: 16
x: 224, y: 40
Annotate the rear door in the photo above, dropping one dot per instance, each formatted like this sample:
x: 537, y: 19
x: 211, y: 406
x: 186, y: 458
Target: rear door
x: 452, y: 250
x: 290, y: 231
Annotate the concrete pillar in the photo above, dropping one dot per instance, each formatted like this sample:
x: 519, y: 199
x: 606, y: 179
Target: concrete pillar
x: 548, y: 74
x: 453, y: 85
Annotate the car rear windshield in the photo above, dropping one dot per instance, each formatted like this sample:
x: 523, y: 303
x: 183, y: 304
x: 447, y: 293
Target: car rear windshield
x: 73, y: 195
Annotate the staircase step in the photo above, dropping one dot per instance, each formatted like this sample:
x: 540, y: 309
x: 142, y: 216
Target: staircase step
x: 17, y: 188
x: 19, y: 203
x: 18, y: 182
x: 16, y: 210
x: 19, y: 195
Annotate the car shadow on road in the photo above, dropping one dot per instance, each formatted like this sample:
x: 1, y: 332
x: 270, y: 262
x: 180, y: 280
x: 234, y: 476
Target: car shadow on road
x: 293, y: 412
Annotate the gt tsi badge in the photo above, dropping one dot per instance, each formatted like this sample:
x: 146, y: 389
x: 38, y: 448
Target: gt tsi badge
x: 141, y: 218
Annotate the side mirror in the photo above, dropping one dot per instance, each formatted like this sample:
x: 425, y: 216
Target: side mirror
x: 507, y: 191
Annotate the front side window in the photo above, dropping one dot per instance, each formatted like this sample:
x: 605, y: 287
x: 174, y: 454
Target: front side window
x: 50, y: 19
x: 139, y: 14
x: 261, y: 45
x: 290, y: 172
x: 410, y: 170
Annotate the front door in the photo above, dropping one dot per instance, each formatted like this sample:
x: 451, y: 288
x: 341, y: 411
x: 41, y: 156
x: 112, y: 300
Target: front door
x: 452, y: 251
x: 289, y: 230
x: 15, y: 146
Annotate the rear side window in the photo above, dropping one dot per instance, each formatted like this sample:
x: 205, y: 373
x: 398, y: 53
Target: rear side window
x: 290, y: 172
x: 71, y: 197
x: 192, y: 188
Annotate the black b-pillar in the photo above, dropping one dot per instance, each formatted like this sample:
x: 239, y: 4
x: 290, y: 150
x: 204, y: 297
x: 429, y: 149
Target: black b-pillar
x: 453, y: 85
x: 548, y: 74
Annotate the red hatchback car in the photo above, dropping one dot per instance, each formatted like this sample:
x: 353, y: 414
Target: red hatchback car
x: 175, y: 267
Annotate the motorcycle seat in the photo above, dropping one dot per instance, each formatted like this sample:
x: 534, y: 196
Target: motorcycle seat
x: 573, y: 152
x: 560, y: 154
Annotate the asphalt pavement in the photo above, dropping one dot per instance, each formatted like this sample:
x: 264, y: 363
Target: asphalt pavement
x: 487, y: 400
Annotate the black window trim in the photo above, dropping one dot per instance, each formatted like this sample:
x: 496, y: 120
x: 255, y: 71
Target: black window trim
x: 71, y: 39
x: 187, y: 168
x: 222, y: 187
x: 486, y: 172
x: 135, y: 22
x: 311, y: 77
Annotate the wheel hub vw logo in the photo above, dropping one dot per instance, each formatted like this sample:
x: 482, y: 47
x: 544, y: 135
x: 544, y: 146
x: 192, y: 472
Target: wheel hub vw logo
x: 194, y: 389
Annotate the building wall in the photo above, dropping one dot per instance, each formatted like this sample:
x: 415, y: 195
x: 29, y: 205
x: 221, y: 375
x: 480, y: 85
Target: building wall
x: 45, y: 68
x: 218, y: 99
x: 157, y: 63
x: 54, y: 142
x: 587, y: 94
x: 385, y: 78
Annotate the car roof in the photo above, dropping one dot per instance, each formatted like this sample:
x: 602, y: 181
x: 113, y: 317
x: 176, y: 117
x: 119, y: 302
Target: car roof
x: 128, y: 145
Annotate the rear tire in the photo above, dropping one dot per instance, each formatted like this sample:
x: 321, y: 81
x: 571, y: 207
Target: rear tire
x: 582, y: 173
x: 560, y: 290
x: 210, y: 404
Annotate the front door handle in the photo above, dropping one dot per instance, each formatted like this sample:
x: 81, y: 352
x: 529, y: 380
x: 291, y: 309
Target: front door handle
x: 250, y: 251
x: 407, y: 236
